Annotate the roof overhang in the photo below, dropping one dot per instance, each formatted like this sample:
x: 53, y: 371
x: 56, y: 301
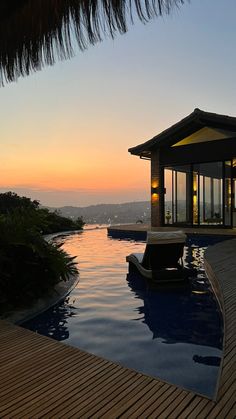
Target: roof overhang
x: 199, y: 126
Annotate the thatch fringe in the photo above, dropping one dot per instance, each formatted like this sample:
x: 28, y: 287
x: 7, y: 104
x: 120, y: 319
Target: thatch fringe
x: 35, y: 33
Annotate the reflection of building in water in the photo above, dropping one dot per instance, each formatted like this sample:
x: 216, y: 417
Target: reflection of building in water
x: 185, y: 314
x: 53, y: 322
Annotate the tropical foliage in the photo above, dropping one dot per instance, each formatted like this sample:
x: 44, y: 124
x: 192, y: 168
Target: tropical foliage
x: 42, y: 219
x: 29, y: 265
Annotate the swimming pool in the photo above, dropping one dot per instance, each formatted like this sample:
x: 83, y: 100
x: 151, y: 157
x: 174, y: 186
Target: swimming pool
x: 174, y: 334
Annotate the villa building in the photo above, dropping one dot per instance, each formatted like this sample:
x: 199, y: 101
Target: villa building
x: 193, y: 171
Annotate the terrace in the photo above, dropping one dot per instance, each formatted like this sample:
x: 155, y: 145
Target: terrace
x: 44, y: 378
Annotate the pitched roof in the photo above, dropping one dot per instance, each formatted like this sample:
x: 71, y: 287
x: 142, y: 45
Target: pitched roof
x: 188, y: 125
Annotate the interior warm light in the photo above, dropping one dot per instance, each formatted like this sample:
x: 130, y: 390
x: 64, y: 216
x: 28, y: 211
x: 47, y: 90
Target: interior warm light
x: 228, y: 193
x: 154, y: 191
x: 154, y: 184
x: 155, y: 197
x: 199, y: 292
x: 195, y: 203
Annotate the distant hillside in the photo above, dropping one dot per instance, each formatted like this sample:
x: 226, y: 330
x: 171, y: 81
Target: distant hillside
x: 129, y: 212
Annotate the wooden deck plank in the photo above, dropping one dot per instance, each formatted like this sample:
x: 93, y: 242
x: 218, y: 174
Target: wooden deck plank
x: 75, y: 401
x: 23, y: 380
x: 46, y: 390
x: 37, y: 350
x: 116, y: 393
x: 173, y: 399
x: 79, y: 387
x: 162, y: 387
x: 214, y: 410
x: 180, y: 404
x: 44, y: 380
x: 119, y: 405
x: 228, y: 410
x: 226, y: 385
x: 21, y: 357
x: 159, y: 401
x: 83, y: 404
x: 190, y: 409
x: 230, y: 343
x: 139, y: 406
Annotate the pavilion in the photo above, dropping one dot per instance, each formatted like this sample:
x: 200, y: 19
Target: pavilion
x: 193, y: 171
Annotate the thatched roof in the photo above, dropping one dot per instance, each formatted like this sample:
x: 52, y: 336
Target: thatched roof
x: 35, y: 33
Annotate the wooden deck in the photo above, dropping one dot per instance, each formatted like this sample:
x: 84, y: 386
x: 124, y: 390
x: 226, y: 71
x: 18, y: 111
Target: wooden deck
x: 44, y: 378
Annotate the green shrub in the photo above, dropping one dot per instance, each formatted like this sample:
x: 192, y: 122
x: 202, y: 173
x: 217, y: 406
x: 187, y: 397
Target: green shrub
x: 29, y: 265
x: 45, y: 221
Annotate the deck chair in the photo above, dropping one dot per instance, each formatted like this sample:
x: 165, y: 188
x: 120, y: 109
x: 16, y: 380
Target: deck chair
x: 162, y: 259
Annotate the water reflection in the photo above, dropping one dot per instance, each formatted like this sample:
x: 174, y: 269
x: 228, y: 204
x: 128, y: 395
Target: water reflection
x: 180, y: 313
x: 54, y: 322
x: 176, y: 333
x: 175, y: 315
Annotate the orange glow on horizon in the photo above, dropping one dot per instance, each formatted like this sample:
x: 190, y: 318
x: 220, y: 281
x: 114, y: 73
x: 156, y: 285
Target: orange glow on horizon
x: 75, y: 173
x: 61, y: 151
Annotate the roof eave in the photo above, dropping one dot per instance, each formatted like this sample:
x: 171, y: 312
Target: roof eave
x: 194, y: 121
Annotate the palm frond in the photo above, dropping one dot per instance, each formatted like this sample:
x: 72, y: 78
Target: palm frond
x: 35, y: 33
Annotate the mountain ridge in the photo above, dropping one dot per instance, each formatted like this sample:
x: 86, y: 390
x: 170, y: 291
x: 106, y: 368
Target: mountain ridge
x: 108, y: 213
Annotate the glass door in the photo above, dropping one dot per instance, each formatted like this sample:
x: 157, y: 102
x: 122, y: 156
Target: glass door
x: 233, y: 186
x: 178, y: 183
x: 228, y: 201
x: 208, y: 193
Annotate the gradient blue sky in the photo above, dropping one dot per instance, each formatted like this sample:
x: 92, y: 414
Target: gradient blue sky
x: 65, y: 130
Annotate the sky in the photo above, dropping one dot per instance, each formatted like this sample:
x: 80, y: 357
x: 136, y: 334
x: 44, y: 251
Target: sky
x: 65, y: 131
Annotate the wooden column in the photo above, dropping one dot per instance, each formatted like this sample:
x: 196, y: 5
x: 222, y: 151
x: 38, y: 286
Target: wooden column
x: 157, y: 190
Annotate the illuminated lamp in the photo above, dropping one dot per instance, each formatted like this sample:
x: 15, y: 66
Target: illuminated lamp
x: 155, y: 190
x: 155, y: 197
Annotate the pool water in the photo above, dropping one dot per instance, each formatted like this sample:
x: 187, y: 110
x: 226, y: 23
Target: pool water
x: 173, y: 333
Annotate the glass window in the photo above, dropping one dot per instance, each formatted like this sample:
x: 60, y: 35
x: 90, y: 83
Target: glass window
x: 178, y: 193
x: 169, y: 208
x: 194, y: 194
x: 209, y: 202
x: 228, y: 194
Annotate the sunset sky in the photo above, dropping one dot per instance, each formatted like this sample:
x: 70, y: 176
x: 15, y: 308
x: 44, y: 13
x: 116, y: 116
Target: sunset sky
x: 65, y: 131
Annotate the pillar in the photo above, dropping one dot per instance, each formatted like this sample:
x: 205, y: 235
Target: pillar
x: 157, y: 190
